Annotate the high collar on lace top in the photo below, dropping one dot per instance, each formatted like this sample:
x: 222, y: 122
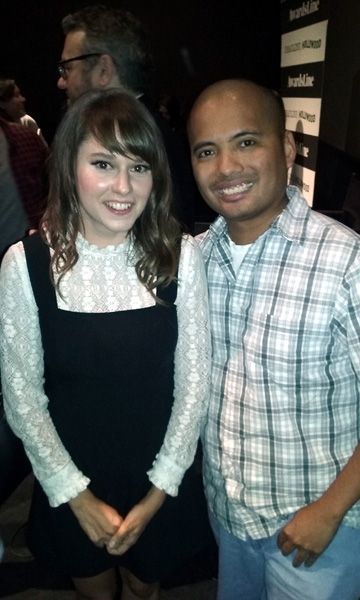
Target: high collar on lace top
x: 83, y: 246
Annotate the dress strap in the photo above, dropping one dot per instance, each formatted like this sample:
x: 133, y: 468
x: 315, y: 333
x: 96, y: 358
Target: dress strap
x: 37, y: 255
x: 167, y: 293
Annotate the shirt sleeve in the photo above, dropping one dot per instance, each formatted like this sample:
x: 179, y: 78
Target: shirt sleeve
x: 22, y: 374
x: 192, y: 373
x: 349, y: 301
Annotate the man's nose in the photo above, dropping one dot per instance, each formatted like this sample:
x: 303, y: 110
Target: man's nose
x: 61, y: 83
x: 228, y: 162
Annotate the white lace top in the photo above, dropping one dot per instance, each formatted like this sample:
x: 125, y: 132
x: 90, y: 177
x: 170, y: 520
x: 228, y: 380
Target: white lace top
x: 103, y: 280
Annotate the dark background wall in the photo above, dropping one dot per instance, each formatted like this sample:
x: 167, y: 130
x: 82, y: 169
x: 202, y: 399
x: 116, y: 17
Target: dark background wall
x: 194, y: 42
x: 338, y: 166
x: 341, y: 104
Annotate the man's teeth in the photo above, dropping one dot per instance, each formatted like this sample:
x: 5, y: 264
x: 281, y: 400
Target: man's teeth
x: 237, y: 189
x: 118, y: 205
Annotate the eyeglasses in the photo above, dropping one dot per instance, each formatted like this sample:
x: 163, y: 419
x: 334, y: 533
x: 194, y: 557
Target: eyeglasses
x: 62, y: 65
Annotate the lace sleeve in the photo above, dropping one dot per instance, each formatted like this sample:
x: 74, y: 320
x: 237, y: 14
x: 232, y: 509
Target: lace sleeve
x: 192, y: 368
x: 22, y: 372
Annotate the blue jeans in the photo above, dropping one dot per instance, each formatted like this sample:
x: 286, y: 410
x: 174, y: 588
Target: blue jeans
x: 256, y: 569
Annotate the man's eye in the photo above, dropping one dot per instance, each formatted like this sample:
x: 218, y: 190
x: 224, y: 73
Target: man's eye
x: 246, y: 143
x: 204, y: 153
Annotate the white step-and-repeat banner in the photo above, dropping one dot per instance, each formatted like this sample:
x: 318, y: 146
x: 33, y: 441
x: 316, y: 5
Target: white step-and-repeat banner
x: 303, y: 46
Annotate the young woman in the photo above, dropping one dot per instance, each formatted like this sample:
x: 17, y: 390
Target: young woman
x: 105, y: 357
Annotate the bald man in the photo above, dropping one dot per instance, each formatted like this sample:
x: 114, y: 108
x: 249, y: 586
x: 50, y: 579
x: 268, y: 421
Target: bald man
x: 281, y: 441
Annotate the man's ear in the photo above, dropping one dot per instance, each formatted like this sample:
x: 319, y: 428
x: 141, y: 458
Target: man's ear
x: 289, y: 148
x: 104, y: 71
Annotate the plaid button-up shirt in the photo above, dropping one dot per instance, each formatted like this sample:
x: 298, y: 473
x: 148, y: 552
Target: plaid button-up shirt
x: 284, y: 413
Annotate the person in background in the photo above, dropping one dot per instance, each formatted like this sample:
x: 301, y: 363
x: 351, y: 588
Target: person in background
x: 12, y: 107
x: 13, y: 227
x: 108, y: 47
x: 281, y: 440
x: 13, y: 221
x: 27, y: 156
x: 169, y: 107
x: 105, y: 357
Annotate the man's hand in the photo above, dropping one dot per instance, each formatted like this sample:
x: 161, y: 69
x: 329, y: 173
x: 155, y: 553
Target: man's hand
x: 308, y: 533
x: 135, y: 522
x: 99, y: 520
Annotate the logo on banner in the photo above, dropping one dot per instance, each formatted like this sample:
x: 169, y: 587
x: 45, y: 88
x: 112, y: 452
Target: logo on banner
x: 302, y: 80
x: 307, y: 8
x: 303, y: 114
x: 304, y: 46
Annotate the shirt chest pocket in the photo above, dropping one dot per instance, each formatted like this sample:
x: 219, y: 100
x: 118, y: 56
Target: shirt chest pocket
x: 288, y: 346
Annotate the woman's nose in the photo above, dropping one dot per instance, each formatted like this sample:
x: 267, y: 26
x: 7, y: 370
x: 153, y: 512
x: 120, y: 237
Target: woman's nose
x: 121, y: 183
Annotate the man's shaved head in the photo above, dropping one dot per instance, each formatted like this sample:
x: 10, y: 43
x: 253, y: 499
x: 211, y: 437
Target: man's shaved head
x: 270, y: 99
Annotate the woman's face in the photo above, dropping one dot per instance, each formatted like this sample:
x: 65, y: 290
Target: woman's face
x: 113, y: 191
x: 15, y: 107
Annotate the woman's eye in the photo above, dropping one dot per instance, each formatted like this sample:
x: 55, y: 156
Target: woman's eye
x: 101, y: 164
x: 141, y: 168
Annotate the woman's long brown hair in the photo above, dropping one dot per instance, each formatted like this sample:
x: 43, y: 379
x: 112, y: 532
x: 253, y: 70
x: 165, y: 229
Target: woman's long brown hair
x: 123, y: 126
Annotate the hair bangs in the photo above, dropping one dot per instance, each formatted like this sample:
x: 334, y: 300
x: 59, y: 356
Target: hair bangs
x: 123, y: 130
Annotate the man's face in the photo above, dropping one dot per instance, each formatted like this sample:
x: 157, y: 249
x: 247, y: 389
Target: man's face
x: 78, y: 77
x: 239, y: 158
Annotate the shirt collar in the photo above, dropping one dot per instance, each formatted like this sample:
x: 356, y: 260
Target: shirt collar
x: 293, y: 220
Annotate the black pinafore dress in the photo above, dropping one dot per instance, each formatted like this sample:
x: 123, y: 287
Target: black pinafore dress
x: 109, y: 378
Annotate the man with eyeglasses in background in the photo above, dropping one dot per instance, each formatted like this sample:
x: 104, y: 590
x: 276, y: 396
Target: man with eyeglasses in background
x: 107, y: 47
